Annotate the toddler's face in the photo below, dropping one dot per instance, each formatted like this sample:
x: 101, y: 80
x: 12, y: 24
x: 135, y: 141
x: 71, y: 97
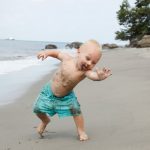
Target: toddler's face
x: 88, y: 58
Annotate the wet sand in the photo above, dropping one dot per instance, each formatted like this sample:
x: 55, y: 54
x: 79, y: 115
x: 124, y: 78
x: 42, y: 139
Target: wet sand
x: 116, y: 111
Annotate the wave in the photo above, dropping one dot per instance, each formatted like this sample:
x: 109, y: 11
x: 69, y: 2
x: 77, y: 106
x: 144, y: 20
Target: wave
x: 8, y: 66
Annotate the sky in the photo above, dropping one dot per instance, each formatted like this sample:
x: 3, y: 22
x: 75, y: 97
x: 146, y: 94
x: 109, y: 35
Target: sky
x: 60, y: 20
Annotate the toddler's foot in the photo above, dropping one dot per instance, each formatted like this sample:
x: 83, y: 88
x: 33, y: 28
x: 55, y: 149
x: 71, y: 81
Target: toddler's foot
x: 83, y: 136
x: 41, y: 128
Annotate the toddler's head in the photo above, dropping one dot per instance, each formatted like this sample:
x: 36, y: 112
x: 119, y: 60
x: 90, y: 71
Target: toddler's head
x: 88, y: 55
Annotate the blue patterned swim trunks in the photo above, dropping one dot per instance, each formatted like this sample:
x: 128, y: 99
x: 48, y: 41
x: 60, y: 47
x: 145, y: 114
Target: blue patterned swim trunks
x: 50, y: 104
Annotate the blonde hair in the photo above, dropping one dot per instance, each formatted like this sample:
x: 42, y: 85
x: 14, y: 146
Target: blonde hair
x: 93, y: 42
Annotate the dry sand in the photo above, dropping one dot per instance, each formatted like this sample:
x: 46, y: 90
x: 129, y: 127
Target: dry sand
x: 116, y: 111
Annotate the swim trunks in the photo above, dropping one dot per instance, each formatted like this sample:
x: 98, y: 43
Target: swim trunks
x: 50, y: 104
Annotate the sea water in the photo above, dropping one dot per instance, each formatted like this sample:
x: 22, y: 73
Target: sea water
x: 19, y: 67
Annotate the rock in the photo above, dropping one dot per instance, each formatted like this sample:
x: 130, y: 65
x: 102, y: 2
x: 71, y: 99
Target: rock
x: 109, y: 46
x: 50, y: 46
x: 133, y: 42
x: 144, y: 42
x: 74, y: 45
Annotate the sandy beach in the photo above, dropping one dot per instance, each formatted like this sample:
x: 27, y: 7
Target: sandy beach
x: 116, y: 111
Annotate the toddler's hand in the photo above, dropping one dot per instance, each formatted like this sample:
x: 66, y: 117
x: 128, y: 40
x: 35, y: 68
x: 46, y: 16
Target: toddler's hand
x: 104, y: 73
x: 42, y: 55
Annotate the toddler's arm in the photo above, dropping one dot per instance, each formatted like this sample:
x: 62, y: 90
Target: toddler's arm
x: 52, y: 53
x: 98, y: 74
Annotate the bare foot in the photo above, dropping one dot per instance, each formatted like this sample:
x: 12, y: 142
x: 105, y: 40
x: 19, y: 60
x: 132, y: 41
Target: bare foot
x: 41, y: 128
x: 83, y: 136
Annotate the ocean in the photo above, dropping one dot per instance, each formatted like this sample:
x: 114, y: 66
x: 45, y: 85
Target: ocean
x: 16, y: 55
x: 19, y: 67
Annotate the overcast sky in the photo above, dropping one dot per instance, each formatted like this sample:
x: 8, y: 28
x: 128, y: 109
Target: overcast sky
x: 60, y: 20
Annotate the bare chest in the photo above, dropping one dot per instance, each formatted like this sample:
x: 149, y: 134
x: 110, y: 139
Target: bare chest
x: 69, y: 73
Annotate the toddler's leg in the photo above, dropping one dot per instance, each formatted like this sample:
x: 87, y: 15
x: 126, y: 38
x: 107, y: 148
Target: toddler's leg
x: 79, y: 121
x: 45, y: 120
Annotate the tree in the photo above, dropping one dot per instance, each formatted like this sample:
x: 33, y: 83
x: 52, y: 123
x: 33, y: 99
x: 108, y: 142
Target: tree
x: 135, y: 21
x: 143, y: 15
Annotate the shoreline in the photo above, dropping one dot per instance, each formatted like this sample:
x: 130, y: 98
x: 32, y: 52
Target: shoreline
x: 15, y: 84
x: 36, y: 86
x: 116, y: 111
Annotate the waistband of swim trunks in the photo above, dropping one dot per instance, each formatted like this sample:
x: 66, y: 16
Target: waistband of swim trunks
x: 69, y: 95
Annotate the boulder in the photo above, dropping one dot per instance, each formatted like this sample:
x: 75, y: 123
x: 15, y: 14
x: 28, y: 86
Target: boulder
x: 50, y: 46
x: 109, y: 46
x: 144, y: 42
x: 74, y: 45
x: 133, y: 42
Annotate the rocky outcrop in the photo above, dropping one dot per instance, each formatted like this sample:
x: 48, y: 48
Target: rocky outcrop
x: 133, y: 43
x: 50, y: 46
x: 144, y: 42
x: 140, y: 42
x: 74, y: 45
x: 109, y: 46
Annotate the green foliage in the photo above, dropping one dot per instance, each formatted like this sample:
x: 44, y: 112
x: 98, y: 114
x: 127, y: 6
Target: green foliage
x: 141, y: 3
x: 135, y: 21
